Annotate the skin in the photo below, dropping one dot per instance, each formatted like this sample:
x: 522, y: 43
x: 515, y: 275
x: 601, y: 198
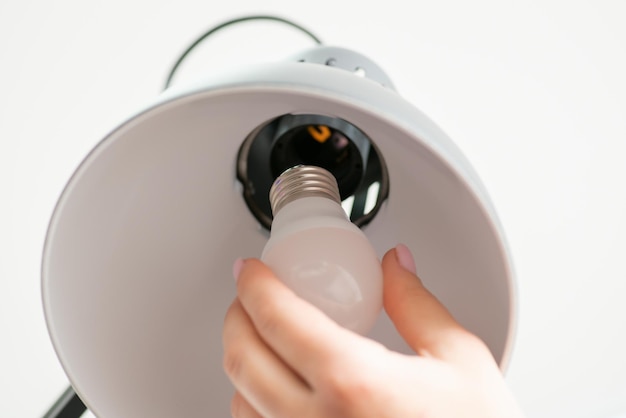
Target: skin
x: 284, y: 365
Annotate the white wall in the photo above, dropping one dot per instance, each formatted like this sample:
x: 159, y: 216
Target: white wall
x: 533, y: 91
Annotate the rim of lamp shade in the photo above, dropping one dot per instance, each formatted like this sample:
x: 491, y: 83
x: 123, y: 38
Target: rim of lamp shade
x: 136, y: 265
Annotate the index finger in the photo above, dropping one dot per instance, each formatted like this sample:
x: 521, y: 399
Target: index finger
x: 303, y: 336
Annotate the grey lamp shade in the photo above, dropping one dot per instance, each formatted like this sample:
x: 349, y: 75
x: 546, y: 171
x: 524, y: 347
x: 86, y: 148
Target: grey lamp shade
x: 137, y: 262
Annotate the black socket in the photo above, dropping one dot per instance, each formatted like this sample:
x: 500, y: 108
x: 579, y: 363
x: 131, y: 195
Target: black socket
x: 330, y: 143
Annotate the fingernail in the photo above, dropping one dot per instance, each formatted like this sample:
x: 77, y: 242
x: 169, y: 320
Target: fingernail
x: 237, y: 266
x: 405, y: 258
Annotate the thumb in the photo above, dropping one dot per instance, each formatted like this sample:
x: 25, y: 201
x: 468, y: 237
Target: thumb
x: 423, y: 321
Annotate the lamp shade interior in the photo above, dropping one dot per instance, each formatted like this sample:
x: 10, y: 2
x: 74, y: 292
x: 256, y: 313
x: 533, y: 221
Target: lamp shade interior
x: 137, y: 264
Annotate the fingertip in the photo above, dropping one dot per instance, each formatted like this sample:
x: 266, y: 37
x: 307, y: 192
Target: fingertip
x: 390, y: 255
x: 405, y: 258
x: 394, y: 279
x: 399, y: 267
x: 237, y: 266
x: 253, y: 267
x: 254, y: 271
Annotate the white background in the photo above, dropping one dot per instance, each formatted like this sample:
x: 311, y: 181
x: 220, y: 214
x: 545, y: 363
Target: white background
x: 534, y: 92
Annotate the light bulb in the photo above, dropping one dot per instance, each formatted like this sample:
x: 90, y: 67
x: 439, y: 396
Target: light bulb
x: 318, y: 253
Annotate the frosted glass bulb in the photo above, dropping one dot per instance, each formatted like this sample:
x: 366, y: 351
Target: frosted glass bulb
x: 318, y: 253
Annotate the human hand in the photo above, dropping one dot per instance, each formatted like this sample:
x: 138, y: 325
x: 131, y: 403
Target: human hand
x: 286, y: 359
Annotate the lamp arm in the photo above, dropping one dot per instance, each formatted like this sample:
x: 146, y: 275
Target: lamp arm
x: 68, y: 405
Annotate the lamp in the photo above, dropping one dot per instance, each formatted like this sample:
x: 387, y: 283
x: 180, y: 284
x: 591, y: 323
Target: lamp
x: 136, y: 266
